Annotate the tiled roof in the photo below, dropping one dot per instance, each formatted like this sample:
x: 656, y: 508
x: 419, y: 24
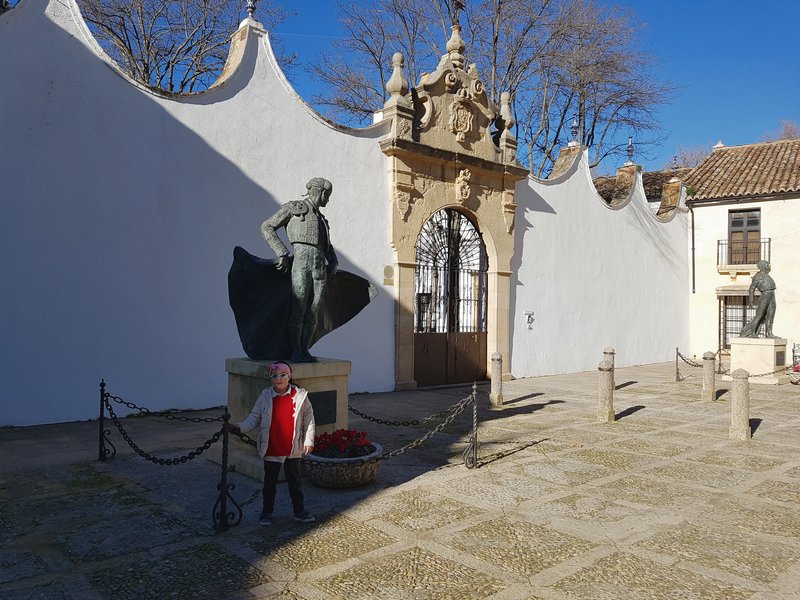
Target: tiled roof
x: 753, y: 170
x: 608, y: 188
x: 653, y: 181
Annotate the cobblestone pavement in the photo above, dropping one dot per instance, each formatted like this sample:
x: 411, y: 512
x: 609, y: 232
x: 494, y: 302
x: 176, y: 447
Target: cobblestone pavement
x: 658, y: 504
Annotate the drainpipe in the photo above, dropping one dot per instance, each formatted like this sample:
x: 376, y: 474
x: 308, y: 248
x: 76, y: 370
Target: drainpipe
x: 691, y: 210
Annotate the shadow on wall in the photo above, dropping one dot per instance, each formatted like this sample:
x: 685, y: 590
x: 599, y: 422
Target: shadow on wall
x: 126, y: 220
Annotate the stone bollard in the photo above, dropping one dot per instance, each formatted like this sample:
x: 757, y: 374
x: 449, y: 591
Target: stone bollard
x: 605, y: 396
x: 709, y: 383
x: 740, y: 406
x: 608, y: 354
x: 496, y: 392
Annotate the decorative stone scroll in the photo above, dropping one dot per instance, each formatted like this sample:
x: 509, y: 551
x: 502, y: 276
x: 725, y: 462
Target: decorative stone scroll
x: 462, y: 185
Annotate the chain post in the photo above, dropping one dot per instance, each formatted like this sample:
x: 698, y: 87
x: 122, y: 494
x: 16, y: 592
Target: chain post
x: 677, y: 372
x: 103, y: 452
x: 220, y: 514
x: 475, y: 424
x: 101, y: 447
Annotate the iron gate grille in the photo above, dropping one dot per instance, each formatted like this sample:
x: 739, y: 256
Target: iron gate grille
x: 734, y: 312
x: 450, y: 279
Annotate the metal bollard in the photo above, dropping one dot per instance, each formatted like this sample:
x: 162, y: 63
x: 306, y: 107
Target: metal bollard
x: 740, y: 406
x: 605, y: 396
x: 709, y: 378
x: 608, y: 354
x: 496, y: 392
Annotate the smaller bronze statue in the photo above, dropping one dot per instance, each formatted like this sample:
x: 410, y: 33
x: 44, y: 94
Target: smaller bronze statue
x: 765, y: 313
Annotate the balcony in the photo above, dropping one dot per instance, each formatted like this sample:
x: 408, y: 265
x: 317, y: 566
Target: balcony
x: 740, y: 258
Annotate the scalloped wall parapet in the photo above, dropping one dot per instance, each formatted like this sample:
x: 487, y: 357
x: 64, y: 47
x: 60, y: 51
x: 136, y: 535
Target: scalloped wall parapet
x: 595, y: 274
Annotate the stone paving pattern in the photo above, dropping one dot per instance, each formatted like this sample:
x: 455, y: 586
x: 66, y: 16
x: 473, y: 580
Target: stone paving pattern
x: 658, y: 504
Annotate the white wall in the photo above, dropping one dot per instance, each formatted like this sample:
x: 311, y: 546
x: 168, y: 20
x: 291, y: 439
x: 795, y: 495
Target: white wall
x: 594, y: 276
x: 121, y: 209
x: 780, y: 221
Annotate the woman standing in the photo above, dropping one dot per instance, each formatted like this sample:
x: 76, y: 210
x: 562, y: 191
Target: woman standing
x: 285, y: 421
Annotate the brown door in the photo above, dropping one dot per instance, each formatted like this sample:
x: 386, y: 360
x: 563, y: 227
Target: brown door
x: 450, y: 302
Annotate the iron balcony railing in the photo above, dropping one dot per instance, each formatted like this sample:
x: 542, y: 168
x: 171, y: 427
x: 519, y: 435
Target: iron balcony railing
x: 743, y: 253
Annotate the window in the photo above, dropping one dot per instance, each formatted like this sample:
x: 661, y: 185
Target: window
x: 734, y: 313
x: 744, y: 237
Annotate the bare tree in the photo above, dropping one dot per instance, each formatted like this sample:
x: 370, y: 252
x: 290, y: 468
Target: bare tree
x: 789, y: 130
x: 688, y: 156
x: 175, y: 46
x: 598, y: 78
x: 355, y: 70
x: 558, y: 58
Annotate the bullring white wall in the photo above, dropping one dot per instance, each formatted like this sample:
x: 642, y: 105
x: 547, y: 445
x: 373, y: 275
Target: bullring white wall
x: 595, y: 276
x: 121, y: 209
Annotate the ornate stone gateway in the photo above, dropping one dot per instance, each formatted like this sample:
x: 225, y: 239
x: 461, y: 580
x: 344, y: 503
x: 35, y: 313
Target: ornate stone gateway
x: 453, y: 170
x: 450, y: 291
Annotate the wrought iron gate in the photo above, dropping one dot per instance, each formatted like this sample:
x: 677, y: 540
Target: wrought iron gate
x: 450, y: 287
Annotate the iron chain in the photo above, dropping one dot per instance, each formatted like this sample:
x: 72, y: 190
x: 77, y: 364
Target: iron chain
x: 779, y: 370
x: 161, y: 461
x: 162, y: 413
x: 689, y: 361
x: 409, y: 423
x: 454, y: 410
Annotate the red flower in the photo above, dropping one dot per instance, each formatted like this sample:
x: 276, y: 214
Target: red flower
x: 343, y: 443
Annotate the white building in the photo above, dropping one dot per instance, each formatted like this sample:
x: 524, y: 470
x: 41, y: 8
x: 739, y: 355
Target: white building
x: 745, y: 207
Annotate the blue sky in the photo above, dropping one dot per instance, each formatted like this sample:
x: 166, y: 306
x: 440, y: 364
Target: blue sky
x: 735, y: 64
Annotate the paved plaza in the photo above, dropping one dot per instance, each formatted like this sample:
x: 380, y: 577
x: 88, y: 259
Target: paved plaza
x: 658, y: 504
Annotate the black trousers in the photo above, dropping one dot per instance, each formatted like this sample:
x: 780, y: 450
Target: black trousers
x: 291, y: 468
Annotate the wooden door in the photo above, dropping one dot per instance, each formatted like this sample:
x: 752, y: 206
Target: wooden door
x: 450, y: 302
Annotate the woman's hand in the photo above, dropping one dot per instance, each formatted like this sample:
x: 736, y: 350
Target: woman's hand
x: 308, y: 449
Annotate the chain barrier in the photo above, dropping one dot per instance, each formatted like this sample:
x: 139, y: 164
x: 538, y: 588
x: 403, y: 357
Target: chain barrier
x: 226, y: 512
x: 775, y: 372
x: 409, y: 423
x: 222, y: 516
x: 454, y: 410
x: 167, y: 414
x: 154, y: 459
x: 689, y: 361
x: 720, y: 370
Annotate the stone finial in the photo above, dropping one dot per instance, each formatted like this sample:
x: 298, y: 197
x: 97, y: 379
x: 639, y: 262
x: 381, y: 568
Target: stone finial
x: 455, y: 47
x: 397, y: 84
x: 505, y: 110
x: 251, y: 8
x: 719, y: 144
x: 630, y: 149
x: 573, y: 129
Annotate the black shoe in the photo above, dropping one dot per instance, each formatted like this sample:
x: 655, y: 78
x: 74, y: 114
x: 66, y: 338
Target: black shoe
x: 265, y: 519
x: 304, y: 517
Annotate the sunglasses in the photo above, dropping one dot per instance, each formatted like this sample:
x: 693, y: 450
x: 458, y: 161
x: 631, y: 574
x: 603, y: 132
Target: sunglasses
x: 278, y: 375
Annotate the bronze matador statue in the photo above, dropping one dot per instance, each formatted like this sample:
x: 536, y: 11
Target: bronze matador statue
x: 282, y: 307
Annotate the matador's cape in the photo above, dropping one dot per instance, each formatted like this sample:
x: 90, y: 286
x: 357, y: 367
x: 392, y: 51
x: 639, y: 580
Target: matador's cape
x: 261, y: 299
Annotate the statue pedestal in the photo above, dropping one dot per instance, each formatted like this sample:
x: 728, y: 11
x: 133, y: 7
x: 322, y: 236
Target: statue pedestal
x: 325, y: 380
x: 759, y: 355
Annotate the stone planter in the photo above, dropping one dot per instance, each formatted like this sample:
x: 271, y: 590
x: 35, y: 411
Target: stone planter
x: 342, y: 473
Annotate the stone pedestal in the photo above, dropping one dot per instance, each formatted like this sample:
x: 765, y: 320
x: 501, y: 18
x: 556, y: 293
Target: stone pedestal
x: 325, y: 380
x: 759, y: 355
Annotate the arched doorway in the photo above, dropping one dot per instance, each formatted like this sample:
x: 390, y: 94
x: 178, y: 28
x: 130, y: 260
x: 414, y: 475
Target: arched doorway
x: 450, y: 301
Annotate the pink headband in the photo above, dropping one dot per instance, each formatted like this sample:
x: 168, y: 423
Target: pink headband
x: 281, y: 367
